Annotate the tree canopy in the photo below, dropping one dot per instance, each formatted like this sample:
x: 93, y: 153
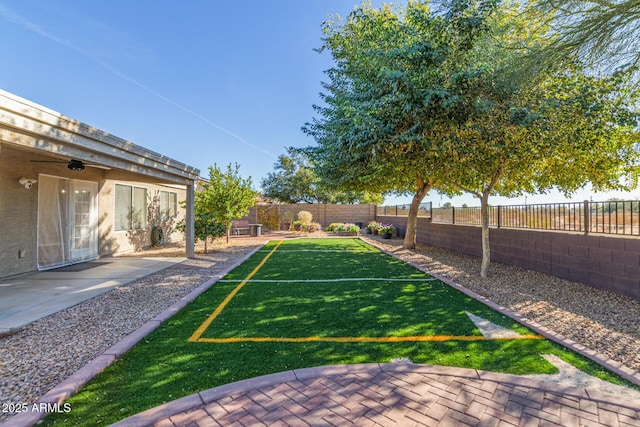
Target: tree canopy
x: 423, y: 97
x: 385, y: 94
x: 604, y: 33
x: 227, y: 196
x: 294, y: 180
x: 517, y: 132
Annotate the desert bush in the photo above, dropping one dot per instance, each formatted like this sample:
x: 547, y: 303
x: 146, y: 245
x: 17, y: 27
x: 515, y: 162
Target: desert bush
x: 305, y: 217
x: 334, y: 225
x: 306, y: 228
x: 340, y: 226
x: 314, y: 226
x: 353, y: 228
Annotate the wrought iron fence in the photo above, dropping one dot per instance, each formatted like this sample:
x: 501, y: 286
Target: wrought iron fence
x: 424, y: 211
x: 609, y: 217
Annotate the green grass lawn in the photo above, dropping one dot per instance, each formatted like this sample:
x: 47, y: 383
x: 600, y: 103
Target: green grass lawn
x: 304, y: 307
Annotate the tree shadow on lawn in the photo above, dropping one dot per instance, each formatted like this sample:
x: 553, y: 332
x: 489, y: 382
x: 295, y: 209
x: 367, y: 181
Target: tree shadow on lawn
x: 161, y: 369
x: 166, y: 365
x: 351, y: 309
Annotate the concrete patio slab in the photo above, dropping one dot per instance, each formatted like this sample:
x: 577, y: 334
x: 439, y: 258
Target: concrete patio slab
x: 29, y: 297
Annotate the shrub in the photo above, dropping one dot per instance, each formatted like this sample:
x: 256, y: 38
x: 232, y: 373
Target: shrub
x: 387, y: 229
x: 353, y: 228
x: 373, y: 225
x: 268, y: 217
x: 287, y: 217
x: 314, y: 226
x: 287, y: 220
x: 305, y: 217
x: 307, y: 228
x: 333, y: 226
x: 340, y: 226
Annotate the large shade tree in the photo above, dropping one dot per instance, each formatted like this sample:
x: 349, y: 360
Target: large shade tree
x: 517, y: 131
x: 419, y: 98
x: 291, y: 181
x: 386, y: 92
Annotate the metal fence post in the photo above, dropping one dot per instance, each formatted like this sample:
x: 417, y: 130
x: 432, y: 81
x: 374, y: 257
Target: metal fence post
x: 586, y: 217
x: 453, y: 214
x: 499, y: 215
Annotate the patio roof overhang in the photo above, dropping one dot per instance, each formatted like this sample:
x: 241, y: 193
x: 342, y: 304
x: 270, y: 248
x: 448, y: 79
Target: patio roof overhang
x: 28, y: 126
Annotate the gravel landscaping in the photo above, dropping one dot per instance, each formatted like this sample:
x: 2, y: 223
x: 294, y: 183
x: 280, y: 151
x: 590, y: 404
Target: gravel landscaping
x: 41, y: 355
x: 38, y: 357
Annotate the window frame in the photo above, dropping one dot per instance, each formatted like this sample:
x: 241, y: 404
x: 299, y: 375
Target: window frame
x: 168, y: 201
x: 136, y: 200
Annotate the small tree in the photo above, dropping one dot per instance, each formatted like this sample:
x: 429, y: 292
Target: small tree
x: 227, y: 195
x: 205, y: 225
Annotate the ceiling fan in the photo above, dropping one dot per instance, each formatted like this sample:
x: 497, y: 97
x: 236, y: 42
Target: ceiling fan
x: 73, y: 164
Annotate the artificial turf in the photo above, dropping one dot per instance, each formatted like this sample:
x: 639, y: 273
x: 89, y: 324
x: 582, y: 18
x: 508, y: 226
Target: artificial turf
x: 305, y: 291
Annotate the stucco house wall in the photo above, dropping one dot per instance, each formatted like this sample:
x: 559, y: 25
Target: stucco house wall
x: 114, y: 241
x: 37, y: 143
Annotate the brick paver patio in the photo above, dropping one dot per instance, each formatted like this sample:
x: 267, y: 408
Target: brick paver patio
x: 392, y: 395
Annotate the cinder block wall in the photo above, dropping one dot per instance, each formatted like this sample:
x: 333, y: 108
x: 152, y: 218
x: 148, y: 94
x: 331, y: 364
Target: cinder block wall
x: 325, y: 214
x: 605, y: 262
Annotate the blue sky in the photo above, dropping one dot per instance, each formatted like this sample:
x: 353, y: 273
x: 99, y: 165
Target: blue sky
x: 201, y: 81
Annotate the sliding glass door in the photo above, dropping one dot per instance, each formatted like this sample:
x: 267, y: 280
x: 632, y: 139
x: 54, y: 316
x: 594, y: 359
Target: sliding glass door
x: 67, y: 221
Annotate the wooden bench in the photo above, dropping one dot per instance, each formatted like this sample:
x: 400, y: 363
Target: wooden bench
x: 240, y: 226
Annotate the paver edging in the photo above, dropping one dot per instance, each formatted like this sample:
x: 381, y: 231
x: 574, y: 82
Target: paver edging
x: 612, y: 365
x: 237, y: 387
x: 158, y: 413
x: 81, y: 377
x: 154, y: 415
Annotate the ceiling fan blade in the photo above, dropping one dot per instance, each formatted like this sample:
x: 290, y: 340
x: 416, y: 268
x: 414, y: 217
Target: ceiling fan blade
x: 90, y: 165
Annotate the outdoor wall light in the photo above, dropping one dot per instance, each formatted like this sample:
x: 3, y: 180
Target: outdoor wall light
x: 28, y: 183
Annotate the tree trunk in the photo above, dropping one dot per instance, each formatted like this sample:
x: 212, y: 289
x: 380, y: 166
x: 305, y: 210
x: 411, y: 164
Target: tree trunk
x: 228, y: 233
x: 412, y: 219
x: 486, y: 250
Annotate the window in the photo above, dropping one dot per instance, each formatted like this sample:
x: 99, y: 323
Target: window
x: 168, y: 204
x: 131, y: 208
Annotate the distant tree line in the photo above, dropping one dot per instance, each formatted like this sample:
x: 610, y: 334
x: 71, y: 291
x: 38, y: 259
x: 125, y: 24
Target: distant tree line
x: 295, y: 181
